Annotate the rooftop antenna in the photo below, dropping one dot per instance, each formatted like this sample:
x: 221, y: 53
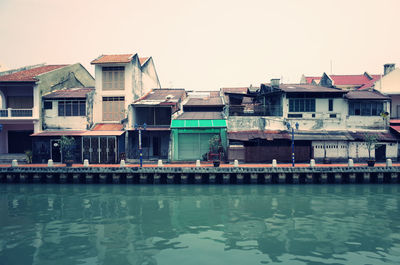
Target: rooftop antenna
x: 331, y: 67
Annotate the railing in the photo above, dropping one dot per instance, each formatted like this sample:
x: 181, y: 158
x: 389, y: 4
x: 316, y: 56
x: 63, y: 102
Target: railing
x: 11, y: 113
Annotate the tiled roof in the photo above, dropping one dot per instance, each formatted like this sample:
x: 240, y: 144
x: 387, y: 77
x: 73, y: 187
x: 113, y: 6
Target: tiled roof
x: 351, y: 79
x: 370, y: 83
x: 108, y: 127
x: 366, y: 94
x: 309, y: 79
x: 69, y: 93
x: 30, y: 74
x: 290, y: 88
x: 113, y: 58
x: 200, y: 115
x: 242, y: 90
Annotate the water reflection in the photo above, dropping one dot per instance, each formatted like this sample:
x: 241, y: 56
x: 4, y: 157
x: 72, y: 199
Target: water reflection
x: 122, y: 224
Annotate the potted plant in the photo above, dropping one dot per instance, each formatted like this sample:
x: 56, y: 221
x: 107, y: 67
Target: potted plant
x: 28, y: 154
x: 215, y: 150
x: 67, y: 149
x: 370, y: 141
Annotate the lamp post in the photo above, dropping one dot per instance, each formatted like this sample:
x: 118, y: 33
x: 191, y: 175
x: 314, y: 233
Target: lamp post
x: 289, y: 126
x: 140, y: 128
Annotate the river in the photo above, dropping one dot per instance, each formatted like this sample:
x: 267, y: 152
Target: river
x: 199, y: 224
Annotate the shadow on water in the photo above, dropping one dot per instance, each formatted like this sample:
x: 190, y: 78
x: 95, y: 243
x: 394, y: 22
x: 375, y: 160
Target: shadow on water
x: 189, y: 224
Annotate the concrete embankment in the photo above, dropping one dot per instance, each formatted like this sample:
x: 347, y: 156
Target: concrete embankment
x: 200, y: 175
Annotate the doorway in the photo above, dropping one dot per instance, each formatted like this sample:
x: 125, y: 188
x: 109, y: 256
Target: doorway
x: 55, y: 150
x: 156, y: 146
x: 19, y: 141
x: 380, y: 152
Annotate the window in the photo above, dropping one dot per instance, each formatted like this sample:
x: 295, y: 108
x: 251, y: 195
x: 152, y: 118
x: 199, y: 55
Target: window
x: 330, y: 105
x: 302, y: 105
x: 113, y: 78
x: 71, y: 108
x: 48, y: 105
x: 365, y: 108
x: 113, y: 108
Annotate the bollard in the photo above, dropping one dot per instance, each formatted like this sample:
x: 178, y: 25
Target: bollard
x: 86, y: 163
x: 351, y: 162
x: 312, y: 163
x: 388, y: 162
x: 122, y: 163
x: 160, y: 164
x: 50, y: 163
x: 235, y: 163
x: 273, y: 162
x: 197, y: 163
x: 14, y: 163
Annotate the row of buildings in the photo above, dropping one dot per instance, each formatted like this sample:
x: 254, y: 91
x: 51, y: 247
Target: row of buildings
x: 328, y: 116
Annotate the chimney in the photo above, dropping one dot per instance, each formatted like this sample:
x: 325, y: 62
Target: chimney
x: 387, y: 68
x: 275, y: 83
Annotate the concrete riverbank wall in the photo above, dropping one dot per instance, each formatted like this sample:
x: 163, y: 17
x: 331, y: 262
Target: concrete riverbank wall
x: 200, y: 175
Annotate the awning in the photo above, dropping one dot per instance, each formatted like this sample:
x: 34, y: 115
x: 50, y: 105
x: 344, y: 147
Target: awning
x: 79, y: 133
x: 198, y: 123
x: 323, y: 136
x: 59, y: 133
x: 108, y: 127
x: 381, y: 136
x: 252, y: 135
x: 103, y: 133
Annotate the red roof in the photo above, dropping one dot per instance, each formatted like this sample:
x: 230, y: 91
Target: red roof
x: 309, y: 79
x: 352, y: 79
x: 69, y: 93
x: 108, y: 127
x: 30, y: 75
x: 113, y: 58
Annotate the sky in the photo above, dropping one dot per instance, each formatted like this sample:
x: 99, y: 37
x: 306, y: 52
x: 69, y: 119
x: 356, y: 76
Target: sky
x: 207, y: 44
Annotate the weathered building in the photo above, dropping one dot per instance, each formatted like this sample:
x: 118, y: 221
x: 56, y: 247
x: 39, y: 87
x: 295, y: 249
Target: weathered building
x: 21, y: 110
x: 153, y: 111
x: 326, y: 123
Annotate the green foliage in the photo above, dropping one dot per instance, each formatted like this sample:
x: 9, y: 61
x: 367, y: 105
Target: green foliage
x: 67, y: 147
x: 370, y: 140
x: 215, y: 144
x: 28, y: 154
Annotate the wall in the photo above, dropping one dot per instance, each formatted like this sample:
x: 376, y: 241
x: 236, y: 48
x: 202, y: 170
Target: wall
x: 390, y: 83
x: 53, y: 121
x: 149, y: 76
x: 359, y: 150
x: 334, y: 149
x: 395, y: 106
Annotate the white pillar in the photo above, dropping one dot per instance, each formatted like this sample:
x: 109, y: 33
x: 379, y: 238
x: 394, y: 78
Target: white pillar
x: 197, y: 163
x: 351, y: 162
x: 86, y: 163
x: 312, y: 163
x: 14, y: 163
x: 236, y: 163
x: 160, y: 163
x: 388, y: 162
x: 50, y: 163
x: 122, y: 163
x: 274, y: 164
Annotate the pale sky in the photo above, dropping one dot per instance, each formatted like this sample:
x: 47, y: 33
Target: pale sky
x: 207, y: 44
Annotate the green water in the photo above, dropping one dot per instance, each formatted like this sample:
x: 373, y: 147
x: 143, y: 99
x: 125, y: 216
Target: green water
x: 125, y: 224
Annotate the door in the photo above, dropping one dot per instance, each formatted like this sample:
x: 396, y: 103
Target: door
x: 380, y: 152
x: 19, y: 141
x: 55, y: 150
x: 192, y: 146
x: 156, y: 146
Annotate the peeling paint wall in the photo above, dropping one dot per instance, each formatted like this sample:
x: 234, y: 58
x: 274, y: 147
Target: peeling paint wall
x: 53, y: 121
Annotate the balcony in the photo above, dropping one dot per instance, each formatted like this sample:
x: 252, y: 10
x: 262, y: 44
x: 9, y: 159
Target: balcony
x: 11, y: 114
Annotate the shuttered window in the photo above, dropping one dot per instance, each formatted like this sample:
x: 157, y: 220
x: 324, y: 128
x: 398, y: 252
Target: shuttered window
x: 113, y: 78
x: 113, y: 108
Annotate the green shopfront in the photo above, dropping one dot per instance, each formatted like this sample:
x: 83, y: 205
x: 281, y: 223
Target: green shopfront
x: 190, y: 138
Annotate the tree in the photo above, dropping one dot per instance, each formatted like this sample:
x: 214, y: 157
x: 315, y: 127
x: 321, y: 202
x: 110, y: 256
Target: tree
x: 370, y: 140
x: 67, y: 147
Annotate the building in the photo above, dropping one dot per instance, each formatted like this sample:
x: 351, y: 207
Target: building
x: 154, y: 111
x: 346, y: 82
x: 21, y: 110
x: 202, y: 119
x: 326, y: 123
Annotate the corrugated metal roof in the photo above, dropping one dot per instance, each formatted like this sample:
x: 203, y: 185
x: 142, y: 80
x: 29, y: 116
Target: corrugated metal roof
x: 208, y: 101
x: 306, y: 88
x: 252, y: 135
x: 69, y: 93
x: 198, y: 123
x: 381, y: 136
x: 200, y: 115
x: 162, y: 95
x: 59, y: 133
x: 365, y: 94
